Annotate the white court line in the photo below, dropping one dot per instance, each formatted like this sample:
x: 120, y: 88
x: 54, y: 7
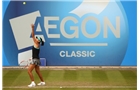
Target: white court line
x: 75, y: 67
x: 72, y: 87
x: 78, y: 44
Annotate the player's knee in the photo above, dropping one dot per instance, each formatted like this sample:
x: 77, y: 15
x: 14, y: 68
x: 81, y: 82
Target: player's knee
x: 37, y: 71
x: 29, y: 71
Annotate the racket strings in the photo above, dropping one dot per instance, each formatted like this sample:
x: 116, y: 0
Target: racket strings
x: 27, y: 62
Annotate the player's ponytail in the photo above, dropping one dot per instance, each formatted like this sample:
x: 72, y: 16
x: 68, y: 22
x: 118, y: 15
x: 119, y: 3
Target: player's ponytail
x: 41, y: 42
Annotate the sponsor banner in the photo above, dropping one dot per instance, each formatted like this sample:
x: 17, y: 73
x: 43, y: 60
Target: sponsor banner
x: 76, y: 32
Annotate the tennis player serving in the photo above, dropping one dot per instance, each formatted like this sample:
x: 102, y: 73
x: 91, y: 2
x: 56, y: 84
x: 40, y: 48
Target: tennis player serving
x: 35, y: 59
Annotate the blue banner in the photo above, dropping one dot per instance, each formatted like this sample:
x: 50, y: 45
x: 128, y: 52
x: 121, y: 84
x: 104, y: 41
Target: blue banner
x: 76, y: 33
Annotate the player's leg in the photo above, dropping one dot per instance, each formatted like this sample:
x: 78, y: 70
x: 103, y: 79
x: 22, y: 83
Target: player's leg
x: 37, y: 69
x: 30, y: 69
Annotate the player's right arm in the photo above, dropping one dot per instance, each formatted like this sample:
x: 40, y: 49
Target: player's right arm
x: 33, y: 35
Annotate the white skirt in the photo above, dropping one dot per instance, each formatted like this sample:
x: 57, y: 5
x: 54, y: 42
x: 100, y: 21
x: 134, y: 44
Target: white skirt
x: 35, y: 61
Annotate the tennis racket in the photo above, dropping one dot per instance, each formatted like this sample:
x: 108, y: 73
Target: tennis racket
x: 25, y: 63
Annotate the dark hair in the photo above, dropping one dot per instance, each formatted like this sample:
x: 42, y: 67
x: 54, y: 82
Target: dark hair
x: 41, y: 42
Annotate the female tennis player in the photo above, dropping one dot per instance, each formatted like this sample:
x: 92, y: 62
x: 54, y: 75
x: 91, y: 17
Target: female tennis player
x: 35, y: 59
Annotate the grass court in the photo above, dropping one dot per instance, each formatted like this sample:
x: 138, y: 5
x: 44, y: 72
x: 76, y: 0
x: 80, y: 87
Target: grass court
x: 77, y: 79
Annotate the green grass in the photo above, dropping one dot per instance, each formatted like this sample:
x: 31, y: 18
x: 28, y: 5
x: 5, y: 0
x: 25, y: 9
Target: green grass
x: 75, y: 78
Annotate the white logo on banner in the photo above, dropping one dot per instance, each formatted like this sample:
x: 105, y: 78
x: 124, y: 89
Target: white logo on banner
x: 21, y: 27
x: 90, y: 6
x: 22, y: 30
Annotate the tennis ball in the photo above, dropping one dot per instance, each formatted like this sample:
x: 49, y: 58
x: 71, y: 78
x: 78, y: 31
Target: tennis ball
x: 24, y: 3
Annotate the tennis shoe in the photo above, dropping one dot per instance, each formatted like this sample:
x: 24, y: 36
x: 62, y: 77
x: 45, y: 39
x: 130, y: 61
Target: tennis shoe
x: 41, y: 84
x: 32, y: 85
